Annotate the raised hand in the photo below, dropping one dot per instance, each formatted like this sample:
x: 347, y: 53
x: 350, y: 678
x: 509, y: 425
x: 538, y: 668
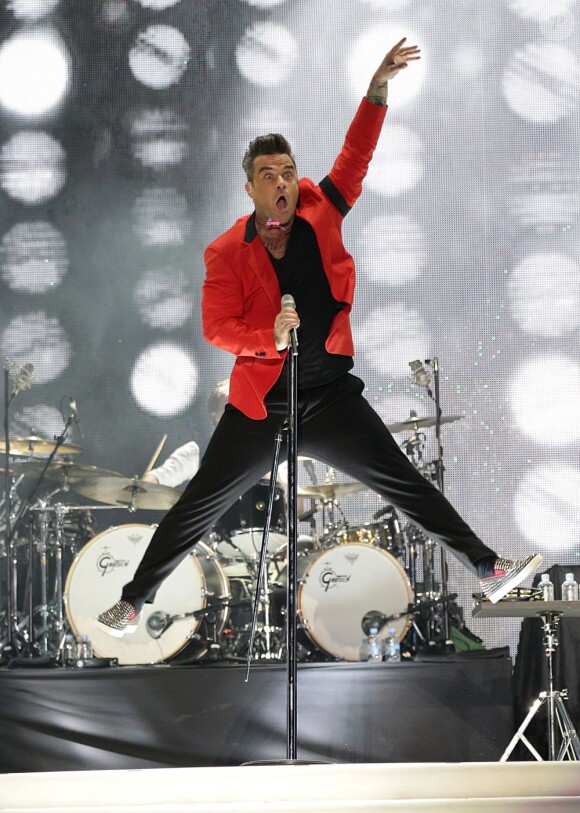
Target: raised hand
x: 397, y: 59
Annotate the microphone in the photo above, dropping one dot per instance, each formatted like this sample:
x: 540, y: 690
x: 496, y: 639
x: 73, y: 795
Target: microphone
x: 420, y: 374
x: 23, y: 379
x: 288, y: 302
x: 75, y: 415
x: 157, y: 623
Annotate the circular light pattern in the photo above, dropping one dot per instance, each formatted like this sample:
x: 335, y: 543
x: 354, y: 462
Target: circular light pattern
x: 542, y: 190
x: 542, y: 82
x: 469, y: 61
x: 161, y: 217
x: 34, y: 257
x: 40, y: 340
x: 164, y: 380
x: 266, y: 54
x: 39, y: 419
x: 390, y: 337
x: 158, y: 138
x: 158, y: 5
x: 391, y: 250
x: 164, y: 298
x: 114, y: 14
x: 546, y: 507
x: 32, y: 167
x: 545, y: 394
x: 545, y: 294
x: 557, y: 23
x: 34, y: 72
x: 368, y: 51
x: 32, y: 9
x: 397, y: 164
x: 541, y: 9
x: 159, y: 57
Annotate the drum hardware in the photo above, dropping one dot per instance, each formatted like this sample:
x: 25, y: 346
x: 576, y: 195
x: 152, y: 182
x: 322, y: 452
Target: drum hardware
x: 109, y: 560
x: 128, y: 492
x: 413, y: 422
x: 12, y: 646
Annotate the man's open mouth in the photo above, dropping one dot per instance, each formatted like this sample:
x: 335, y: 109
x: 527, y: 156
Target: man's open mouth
x: 282, y: 203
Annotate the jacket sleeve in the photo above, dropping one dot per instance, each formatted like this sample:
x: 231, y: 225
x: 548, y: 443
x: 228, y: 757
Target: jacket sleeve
x: 223, y: 307
x: 343, y: 185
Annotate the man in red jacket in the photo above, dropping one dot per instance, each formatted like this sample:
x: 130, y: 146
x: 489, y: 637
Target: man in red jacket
x: 292, y: 244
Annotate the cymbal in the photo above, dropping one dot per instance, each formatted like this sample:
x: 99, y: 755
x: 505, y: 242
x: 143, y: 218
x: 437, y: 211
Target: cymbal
x: 62, y: 470
x: 129, y: 492
x: 414, y: 422
x: 330, y: 491
x: 37, y: 445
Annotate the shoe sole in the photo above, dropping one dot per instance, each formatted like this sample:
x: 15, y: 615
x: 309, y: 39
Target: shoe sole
x: 113, y: 632
x: 532, y: 565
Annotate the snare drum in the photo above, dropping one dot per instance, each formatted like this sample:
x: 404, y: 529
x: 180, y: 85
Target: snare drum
x: 107, y: 562
x: 241, y: 528
x: 338, y: 587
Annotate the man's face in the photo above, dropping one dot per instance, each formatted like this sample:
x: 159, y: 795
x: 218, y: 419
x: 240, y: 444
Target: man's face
x: 274, y: 188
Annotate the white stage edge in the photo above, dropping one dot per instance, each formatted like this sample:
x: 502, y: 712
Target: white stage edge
x: 410, y: 788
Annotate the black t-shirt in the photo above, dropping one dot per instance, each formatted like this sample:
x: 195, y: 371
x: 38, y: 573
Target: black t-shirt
x: 300, y: 273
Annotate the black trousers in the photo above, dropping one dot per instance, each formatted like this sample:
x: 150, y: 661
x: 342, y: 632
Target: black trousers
x: 337, y: 426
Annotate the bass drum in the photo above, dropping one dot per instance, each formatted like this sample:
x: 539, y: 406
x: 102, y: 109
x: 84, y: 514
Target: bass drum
x: 107, y: 562
x: 242, y: 526
x: 338, y: 587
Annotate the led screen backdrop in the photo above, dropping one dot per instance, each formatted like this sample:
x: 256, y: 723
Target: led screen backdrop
x: 122, y: 127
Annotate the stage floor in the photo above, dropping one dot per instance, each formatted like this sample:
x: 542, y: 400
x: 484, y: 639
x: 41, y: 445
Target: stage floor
x: 419, y: 788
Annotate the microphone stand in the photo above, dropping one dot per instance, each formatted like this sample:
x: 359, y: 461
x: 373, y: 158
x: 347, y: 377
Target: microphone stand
x: 11, y: 646
x: 439, y: 470
x: 291, y: 626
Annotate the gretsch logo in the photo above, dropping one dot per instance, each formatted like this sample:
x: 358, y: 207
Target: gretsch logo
x: 106, y: 563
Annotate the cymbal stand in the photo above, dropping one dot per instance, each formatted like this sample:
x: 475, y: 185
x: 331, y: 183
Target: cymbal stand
x: 554, y: 700
x: 21, y: 382
x: 262, y: 591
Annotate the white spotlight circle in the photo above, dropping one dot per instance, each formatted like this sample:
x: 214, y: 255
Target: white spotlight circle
x: 159, y: 57
x: 164, y: 380
x: 545, y: 294
x: 266, y: 54
x: 397, y: 164
x: 39, y: 339
x: 545, y: 394
x: 34, y: 72
x: 542, y: 82
x: 368, y: 51
x: 546, y: 508
x: 32, y: 167
x: 391, y: 335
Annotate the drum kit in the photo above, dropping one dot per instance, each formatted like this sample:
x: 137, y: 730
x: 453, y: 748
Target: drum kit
x: 68, y: 573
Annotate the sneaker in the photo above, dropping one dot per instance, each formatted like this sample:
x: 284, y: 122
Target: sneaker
x: 121, y: 619
x: 508, y: 573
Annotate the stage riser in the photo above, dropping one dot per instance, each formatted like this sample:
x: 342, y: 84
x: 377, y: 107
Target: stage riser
x: 493, y: 788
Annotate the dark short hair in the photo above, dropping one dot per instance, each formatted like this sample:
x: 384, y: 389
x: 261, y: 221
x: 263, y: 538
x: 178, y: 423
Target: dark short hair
x: 271, y: 144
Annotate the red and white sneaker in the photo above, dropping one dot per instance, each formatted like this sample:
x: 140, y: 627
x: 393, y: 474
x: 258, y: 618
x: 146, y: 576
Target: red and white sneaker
x: 121, y: 619
x: 508, y: 573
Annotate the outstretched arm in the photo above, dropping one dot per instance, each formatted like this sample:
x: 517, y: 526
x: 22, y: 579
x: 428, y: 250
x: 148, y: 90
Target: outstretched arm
x: 396, y: 60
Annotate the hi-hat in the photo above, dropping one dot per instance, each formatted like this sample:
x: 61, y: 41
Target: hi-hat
x: 330, y: 491
x: 37, y: 445
x: 414, y: 422
x: 128, y: 492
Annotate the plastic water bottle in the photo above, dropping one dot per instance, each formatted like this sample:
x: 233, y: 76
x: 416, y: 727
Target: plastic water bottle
x: 392, y: 647
x: 546, y: 587
x: 85, y: 649
x: 374, y: 645
x: 69, y: 652
x: 570, y: 588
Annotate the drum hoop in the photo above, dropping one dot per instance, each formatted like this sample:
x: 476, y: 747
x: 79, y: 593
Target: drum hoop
x: 309, y: 632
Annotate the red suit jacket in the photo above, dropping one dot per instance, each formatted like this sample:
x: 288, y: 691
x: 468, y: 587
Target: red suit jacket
x: 240, y: 294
